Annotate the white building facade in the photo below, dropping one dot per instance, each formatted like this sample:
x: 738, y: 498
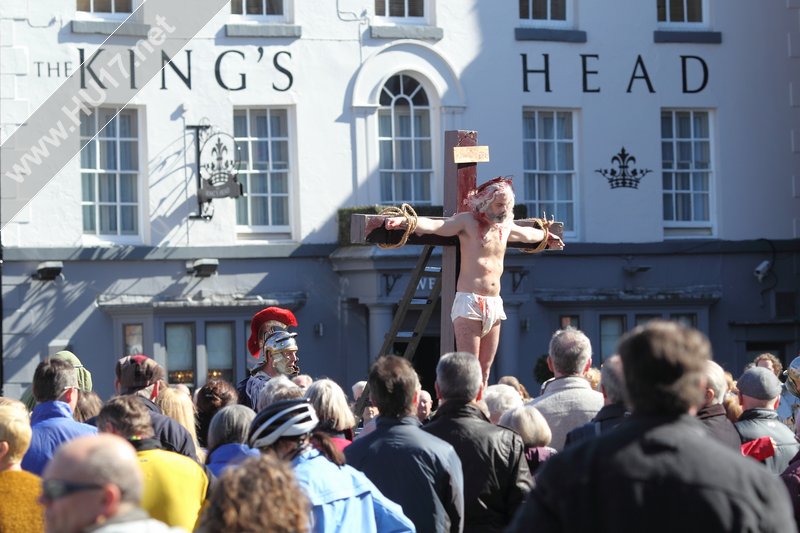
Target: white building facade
x: 667, y: 140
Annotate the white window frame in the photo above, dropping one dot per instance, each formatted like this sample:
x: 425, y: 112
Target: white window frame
x: 412, y: 138
x: 684, y: 25
x: 567, y: 23
x: 281, y: 230
x: 528, y: 197
x: 590, y: 319
x: 94, y: 15
x: 193, y: 345
x: 199, y: 324
x: 141, y: 177
x: 706, y: 227
x: 284, y: 17
x: 386, y: 20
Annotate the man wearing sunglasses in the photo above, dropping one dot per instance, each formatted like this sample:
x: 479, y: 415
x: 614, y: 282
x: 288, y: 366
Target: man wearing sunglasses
x: 94, y: 483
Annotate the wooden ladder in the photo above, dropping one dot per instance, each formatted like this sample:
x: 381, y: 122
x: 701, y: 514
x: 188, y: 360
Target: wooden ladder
x: 410, y: 302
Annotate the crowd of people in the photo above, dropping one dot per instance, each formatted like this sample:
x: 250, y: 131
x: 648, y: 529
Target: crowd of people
x: 662, y: 438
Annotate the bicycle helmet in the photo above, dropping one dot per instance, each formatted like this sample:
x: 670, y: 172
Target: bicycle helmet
x: 287, y: 418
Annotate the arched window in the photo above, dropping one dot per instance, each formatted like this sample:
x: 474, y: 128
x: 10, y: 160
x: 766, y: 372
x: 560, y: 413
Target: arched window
x: 404, y: 136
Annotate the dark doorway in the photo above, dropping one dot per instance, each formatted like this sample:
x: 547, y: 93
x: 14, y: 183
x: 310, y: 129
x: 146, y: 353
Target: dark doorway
x: 425, y: 360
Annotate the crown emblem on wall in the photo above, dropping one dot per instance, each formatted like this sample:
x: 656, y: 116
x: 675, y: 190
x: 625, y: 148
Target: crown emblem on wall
x: 622, y: 174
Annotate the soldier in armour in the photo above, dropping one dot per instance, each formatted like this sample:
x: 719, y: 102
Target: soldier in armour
x: 790, y: 395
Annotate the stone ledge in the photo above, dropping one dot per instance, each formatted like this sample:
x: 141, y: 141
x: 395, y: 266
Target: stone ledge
x: 549, y: 34
x: 263, y: 30
x: 431, y: 33
x: 102, y: 27
x: 696, y: 37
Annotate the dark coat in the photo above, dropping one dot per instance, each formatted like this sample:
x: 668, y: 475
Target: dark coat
x: 791, y: 477
x: 244, y: 398
x: 606, y: 419
x: 757, y: 423
x: 496, y: 474
x: 654, y: 474
x: 420, y: 472
x: 716, y: 421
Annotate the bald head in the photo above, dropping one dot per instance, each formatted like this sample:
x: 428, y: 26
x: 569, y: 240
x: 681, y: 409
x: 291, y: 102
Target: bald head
x: 105, y: 463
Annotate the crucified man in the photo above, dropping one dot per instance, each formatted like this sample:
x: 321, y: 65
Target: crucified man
x: 483, y: 233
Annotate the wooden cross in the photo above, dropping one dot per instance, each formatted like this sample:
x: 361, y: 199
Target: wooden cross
x: 461, y: 156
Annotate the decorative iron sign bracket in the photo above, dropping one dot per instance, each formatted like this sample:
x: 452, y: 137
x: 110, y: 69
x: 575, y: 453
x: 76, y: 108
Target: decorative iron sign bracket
x: 216, y: 166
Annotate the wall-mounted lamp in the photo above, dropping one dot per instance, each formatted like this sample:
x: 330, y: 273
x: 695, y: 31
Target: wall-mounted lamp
x: 636, y: 269
x: 631, y: 269
x: 48, y: 270
x: 202, y: 268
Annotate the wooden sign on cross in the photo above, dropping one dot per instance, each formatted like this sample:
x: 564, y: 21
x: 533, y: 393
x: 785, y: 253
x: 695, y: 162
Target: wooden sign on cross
x: 462, y: 154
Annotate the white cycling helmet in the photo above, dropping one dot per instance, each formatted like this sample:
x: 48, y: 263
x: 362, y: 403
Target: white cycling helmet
x: 287, y: 418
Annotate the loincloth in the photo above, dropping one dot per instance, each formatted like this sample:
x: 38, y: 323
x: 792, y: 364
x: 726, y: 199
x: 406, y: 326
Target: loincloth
x: 487, y: 309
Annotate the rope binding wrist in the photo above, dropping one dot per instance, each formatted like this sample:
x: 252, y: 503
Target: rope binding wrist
x: 410, y: 215
x: 544, y: 225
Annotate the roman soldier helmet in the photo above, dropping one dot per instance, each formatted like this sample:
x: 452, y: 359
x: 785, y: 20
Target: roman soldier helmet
x: 792, y: 373
x: 275, y: 318
x: 276, y: 345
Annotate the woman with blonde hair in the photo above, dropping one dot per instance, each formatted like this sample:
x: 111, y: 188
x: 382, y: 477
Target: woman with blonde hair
x: 335, y: 417
x: 20, y: 510
x: 535, y: 432
x: 178, y: 405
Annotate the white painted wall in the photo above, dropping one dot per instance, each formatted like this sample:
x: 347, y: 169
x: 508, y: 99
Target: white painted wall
x: 752, y: 91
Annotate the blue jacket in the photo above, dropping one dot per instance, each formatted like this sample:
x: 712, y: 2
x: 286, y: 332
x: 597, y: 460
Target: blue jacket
x: 415, y: 469
x: 344, y: 499
x: 228, y: 455
x: 51, y: 425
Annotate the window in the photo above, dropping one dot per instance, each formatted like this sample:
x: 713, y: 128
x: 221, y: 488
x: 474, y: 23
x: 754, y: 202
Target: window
x: 680, y: 11
x: 257, y: 7
x: 642, y: 319
x: 199, y: 349
x: 565, y: 321
x: 543, y: 10
x: 262, y: 137
x: 404, y: 138
x: 110, y: 172
x: 611, y: 329
x: 687, y: 319
x: 179, y: 341
x: 220, y: 349
x: 686, y: 167
x: 400, y: 8
x: 549, y: 165
x: 105, y: 6
x: 133, y: 339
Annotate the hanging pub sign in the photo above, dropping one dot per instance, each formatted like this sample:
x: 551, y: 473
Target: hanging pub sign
x: 219, y: 166
x: 217, y: 161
